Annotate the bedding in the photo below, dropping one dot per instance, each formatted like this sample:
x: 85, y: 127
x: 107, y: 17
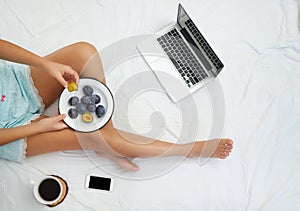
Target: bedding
x: 255, y: 101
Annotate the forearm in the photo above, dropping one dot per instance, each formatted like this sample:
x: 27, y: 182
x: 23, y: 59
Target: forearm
x: 8, y: 135
x: 14, y: 53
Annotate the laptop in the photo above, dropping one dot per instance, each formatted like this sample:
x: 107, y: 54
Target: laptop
x: 181, y: 58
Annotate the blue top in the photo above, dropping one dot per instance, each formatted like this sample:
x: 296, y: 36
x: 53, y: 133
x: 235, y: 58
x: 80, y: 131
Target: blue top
x: 19, y: 103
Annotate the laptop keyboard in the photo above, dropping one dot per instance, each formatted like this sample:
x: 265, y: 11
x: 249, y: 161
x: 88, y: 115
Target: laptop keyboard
x: 205, y: 46
x: 182, y: 57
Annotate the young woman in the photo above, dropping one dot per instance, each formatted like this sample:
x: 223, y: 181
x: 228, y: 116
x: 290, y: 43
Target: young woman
x: 29, y: 83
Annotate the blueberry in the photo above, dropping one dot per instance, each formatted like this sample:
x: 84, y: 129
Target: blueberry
x: 87, y: 90
x: 72, y: 113
x: 91, y: 107
x: 81, y: 108
x: 100, y: 111
x: 73, y: 101
x: 86, y: 99
x: 96, y: 99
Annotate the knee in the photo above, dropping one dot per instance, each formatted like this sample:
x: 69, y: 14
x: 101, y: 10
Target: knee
x: 85, y: 49
x: 86, y: 56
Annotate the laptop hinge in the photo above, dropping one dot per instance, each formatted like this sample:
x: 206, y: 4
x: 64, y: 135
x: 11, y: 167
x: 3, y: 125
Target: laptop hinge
x: 195, y: 48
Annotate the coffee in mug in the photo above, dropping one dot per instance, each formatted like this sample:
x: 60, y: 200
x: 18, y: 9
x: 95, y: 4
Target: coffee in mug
x: 50, y: 190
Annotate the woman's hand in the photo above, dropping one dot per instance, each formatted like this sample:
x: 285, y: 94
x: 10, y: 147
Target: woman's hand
x: 52, y: 123
x: 15, y: 53
x: 62, y: 73
x: 42, y: 125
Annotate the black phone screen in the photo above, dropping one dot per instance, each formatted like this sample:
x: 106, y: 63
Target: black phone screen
x: 101, y: 183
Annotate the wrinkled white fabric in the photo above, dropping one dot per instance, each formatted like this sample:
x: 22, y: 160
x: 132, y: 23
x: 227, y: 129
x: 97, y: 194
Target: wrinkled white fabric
x: 258, y: 42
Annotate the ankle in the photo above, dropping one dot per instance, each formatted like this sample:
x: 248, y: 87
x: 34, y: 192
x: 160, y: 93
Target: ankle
x: 195, y: 149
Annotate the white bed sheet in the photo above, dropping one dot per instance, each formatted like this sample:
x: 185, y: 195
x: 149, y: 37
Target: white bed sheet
x: 259, y: 43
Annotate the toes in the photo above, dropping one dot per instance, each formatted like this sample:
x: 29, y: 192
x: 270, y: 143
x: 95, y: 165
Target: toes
x: 223, y: 148
x: 224, y: 154
x: 227, y: 145
x: 227, y: 148
x: 227, y: 142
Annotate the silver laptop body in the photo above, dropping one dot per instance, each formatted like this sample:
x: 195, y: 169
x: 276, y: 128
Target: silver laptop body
x: 180, y: 57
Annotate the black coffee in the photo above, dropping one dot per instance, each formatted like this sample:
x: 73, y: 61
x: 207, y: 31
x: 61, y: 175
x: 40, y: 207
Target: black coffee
x: 49, y: 189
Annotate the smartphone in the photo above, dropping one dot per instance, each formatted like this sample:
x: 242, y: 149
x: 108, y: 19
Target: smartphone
x: 99, y: 183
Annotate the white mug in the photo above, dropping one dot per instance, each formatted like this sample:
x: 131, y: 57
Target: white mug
x: 62, y: 190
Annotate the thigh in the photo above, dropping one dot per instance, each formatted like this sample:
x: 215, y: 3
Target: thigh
x: 76, y: 55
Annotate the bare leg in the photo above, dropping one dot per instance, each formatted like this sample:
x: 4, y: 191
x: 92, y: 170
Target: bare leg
x: 108, y: 140
x: 132, y: 145
x: 82, y: 57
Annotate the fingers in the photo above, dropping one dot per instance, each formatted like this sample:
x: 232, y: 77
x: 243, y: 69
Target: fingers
x: 70, y: 75
x: 62, y: 81
x: 59, y: 121
x: 60, y: 117
x: 52, y: 123
x: 62, y: 73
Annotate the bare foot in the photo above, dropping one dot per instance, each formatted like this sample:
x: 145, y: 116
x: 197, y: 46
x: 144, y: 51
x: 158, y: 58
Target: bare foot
x: 126, y: 164
x: 123, y: 162
x: 216, y: 148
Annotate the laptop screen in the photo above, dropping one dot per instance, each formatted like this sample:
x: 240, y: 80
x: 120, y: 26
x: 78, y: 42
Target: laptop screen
x: 185, y: 22
x: 181, y: 15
